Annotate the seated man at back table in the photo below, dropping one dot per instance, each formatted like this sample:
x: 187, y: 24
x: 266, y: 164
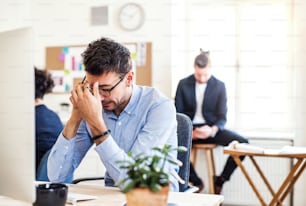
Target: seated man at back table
x: 202, y: 97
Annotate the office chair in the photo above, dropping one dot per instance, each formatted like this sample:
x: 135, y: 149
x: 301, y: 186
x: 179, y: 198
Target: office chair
x: 42, y: 174
x: 184, y: 134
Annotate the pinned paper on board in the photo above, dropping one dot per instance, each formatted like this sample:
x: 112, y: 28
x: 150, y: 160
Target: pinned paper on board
x: 138, y: 52
x: 141, y: 54
x: 73, y: 59
x: 70, y: 63
x: 58, y: 78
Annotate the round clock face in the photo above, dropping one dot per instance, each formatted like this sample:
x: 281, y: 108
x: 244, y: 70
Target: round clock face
x: 131, y: 16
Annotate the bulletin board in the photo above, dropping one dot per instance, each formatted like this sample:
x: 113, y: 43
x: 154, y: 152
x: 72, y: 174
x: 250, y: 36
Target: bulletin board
x: 142, y: 56
x: 65, y: 64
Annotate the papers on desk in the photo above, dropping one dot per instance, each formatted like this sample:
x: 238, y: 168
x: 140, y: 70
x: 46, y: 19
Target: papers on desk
x: 235, y: 145
x: 256, y: 149
x: 293, y: 150
x: 73, y: 198
x: 169, y: 204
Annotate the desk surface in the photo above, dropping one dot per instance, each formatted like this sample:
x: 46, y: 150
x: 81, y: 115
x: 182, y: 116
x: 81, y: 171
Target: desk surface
x: 268, y: 154
x: 110, y: 196
x: 5, y: 201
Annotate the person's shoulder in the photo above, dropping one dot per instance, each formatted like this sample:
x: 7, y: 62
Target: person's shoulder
x: 43, y: 109
x: 149, y: 90
x: 151, y: 94
x: 216, y: 80
x: 187, y: 80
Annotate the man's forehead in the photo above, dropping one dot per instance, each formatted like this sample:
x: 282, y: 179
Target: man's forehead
x: 103, y: 79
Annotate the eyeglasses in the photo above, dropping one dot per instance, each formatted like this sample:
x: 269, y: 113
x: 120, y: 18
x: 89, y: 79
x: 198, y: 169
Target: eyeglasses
x: 106, y: 92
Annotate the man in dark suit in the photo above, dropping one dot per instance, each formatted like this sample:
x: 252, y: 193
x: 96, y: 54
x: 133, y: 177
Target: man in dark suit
x: 202, y: 97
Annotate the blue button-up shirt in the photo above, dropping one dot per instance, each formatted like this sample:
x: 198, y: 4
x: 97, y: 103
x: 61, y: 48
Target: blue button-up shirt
x: 148, y: 120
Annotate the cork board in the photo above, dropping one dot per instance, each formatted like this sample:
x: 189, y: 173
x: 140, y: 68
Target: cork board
x: 144, y: 71
x: 52, y: 58
x: 56, y: 62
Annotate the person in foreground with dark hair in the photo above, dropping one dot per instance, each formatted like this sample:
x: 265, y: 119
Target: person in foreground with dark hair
x: 202, y: 97
x: 47, y: 123
x: 114, y: 114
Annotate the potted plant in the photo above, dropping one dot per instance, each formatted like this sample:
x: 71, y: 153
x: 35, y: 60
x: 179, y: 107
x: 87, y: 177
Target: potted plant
x: 147, y: 181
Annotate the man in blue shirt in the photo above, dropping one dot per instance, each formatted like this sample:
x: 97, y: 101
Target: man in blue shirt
x: 114, y: 114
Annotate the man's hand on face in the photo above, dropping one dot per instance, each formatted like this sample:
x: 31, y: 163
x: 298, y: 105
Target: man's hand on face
x: 88, y: 102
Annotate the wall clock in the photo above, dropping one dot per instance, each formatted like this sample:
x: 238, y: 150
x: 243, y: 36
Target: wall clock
x: 131, y: 16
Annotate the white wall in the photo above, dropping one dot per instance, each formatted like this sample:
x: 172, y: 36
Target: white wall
x: 70, y: 25
x: 299, y: 35
x: 66, y: 22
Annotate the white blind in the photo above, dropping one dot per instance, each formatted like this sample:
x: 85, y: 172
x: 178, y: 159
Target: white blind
x: 250, y: 51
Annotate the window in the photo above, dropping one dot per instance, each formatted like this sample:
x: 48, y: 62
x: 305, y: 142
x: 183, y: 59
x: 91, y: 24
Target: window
x: 250, y: 51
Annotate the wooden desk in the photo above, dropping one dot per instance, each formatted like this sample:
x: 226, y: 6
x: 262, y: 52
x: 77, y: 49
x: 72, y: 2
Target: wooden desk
x: 285, y: 187
x: 5, y: 201
x: 110, y: 196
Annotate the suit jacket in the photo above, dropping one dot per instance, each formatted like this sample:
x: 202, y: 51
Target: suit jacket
x: 214, y: 107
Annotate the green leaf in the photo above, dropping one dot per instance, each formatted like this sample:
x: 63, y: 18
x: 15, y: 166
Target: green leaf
x: 182, y: 149
x: 129, y: 186
x: 120, y: 182
x: 155, y: 187
x: 147, y: 171
x: 175, y: 161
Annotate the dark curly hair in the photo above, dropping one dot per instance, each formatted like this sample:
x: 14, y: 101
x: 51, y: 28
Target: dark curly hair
x: 43, y: 83
x: 105, y: 55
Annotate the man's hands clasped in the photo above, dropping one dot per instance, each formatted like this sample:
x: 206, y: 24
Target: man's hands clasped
x: 87, y: 106
x: 87, y: 103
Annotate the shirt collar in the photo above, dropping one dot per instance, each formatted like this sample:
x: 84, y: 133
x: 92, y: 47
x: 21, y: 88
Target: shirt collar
x: 130, y: 107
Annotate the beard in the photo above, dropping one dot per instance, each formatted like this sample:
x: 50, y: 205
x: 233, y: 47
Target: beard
x: 108, y: 105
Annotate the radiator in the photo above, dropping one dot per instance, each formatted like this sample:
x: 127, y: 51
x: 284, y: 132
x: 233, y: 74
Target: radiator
x: 237, y: 191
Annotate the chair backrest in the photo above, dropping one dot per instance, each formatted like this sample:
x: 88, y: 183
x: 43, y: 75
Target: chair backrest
x: 184, y: 133
x: 41, y: 174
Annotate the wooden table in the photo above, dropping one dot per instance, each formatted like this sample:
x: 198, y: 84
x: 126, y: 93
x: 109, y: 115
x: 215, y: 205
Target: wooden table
x: 286, y: 186
x: 111, y: 196
x: 5, y: 201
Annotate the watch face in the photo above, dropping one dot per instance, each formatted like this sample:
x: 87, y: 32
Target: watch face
x: 131, y: 16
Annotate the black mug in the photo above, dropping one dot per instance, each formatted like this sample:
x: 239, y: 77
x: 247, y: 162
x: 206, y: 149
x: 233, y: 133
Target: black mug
x: 51, y: 194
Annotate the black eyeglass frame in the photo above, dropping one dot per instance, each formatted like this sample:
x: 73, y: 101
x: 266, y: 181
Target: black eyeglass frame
x: 105, y: 92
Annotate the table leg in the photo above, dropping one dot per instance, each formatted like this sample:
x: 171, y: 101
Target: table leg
x: 211, y: 170
x: 193, y: 156
x: 285, y: 187
x: 239, y: 163
x: 295, y: 178
x: 286, y: 181
x: 290, y: 180
x: 263, y: 177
